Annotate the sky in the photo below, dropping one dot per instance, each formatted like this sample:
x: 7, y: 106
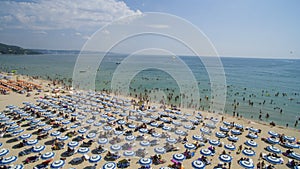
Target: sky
x: 247, y: 28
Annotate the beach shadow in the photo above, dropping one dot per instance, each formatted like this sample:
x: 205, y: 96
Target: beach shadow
x: 49, y: 142
x: 12, y: 140
x: 25, y: 125
x: 76, y: 161
x: 17, y: 146
x: 88, y: 167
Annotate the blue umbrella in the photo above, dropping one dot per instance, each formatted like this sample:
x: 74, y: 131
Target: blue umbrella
x: 91, y: 135
x: 4, y: 152
x: 82, y: 131
x: 197, y: 164
x: 118, y: 133
x: 102, y: 140
x: 57, y: 164
x: 295, y: 155
x: 197, y: 137
x: 238, y: 126
x: 25, y: 136
x: 131, y: 126
x: 74, y: 126
x: 95, y: 158
x: 180, y: 132
x: 47, y: 128
x: 236, y: 132
x: 189, y: 146
x: 109, y: 165
x: 251, y: 143
x: 253, y: 129
x: 291, y: 145
x: 42, y: 124
x: 178, y: 157
x: 272, y: 133
x: 121, y: 122
x: 205, y: 152
x: 233, y: 138
x: 145, y: 143
x: 188, y: 126
x: 154, y: 124
x: 145, y: 121
x: 48, y: 155
x: 19, y: 166
x: 248, y: 152
x: 160, y: 150
x: 205, y: 130
x: 246, y: 164
x: 220, y: 135
x: 83, y: 150
x: 62, y: 138
x: 115, y: 147
x: 55, y: 133
x: 73, y: 144
x: 171, y: 140
x: 0, y: 144
x: 66, y: 122
x: 289, y: 138
x: 37, y: 149
x: 176, y: 123
x: 167, y: 128
x: 8, y: 160
x: 225, y: 158
x: 273, y: 149
x: 214, y: 142
x: 107, y: 128
x: 229, y: 147
x: 272, y: 140
x: 145, y: 161
x: 97, y: 124
x: 273, y: 160
x: 90, y: 121
x: 129, y: 153
x: 143, y: 130
x: 252, y: 136
x: 32, y: 142
x: 156, y: 135
x: 130, y: 138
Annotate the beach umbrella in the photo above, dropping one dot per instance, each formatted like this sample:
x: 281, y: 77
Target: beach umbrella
x: 176, y: 123
x: 109, y: 165
x: 205, y: 130
x: 143, y: 130
x: 251, y: 143
x: 47, y: 128
x: 272, y: 133
x: 82, y: 131
x: 210, y: 125
x: 118, y: 132
x: 188, y: 127
x: 10, y: 123
x: 289, y: 138
x: 246, y: 164
x: 272, y: 140
x: 74, y: 114
x: 74, y: 126
x: 60, y: 119
x: 90, y: 121
x: 4, y: 152
x: 32, y: 142
x: 107, y: 128
x: 154, y: 124
x: 83, y: 150
x: 1, y: 144
x: 167, y: 128
x: 47, y: 155
x: 19, y: 166
x: 252, y: 136
x: 25, y: 136
x: 233, y: 138
x: 197, y: 137
x: 153, y: 116
x: 57, y: 164
x: 16, y: 132
x: 254, y: 129
x: 95, y: 158
x: 102, y: 140
x: 197, y: 164
x: 180, y: 132
x: 55, y: 133
x: 248, y: 152
x: 66, y: 122
x: 8, y: 160
x: 294, y: 155
x: 236, y: 132
x: 37, y: 149
x: 156, y: 135
x: 130, y: 138
x: 273, y: 160
x: 132, y: 118
x: 189, y: 146
x: 73, y: 144
x: 220, y: 135
x: 205, y: 152
x: 121, y: 122
x: 115, y: 147
x: 62, y: 138
x: 145, y: 143
x: 273, y: 149
x: 145, y: 161
x: 145, y: 121
x: 229, y: 147
x: 131, y: 126
x: 178, y: 157
x: 160, y: 150
x: 42, y: 124
x: 214, y: 142
x: 97, y: 124
x: 91, y: 135
x: 238, y: 126
x: 129, y: 153
x: 225, y: 158
x: 171, y: 140
x: 291, y: 145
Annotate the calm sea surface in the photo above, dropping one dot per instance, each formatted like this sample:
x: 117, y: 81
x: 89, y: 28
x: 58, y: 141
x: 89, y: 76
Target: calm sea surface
x: 248, y: 80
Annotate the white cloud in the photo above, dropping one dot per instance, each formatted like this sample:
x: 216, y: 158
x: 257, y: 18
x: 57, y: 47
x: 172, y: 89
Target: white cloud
x: 158, y: 26
x: 66, y: 14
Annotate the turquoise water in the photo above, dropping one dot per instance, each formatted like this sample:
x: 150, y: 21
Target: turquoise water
x: 257, y: 80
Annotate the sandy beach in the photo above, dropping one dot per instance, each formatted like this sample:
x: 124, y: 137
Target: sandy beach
x: 208, y: 122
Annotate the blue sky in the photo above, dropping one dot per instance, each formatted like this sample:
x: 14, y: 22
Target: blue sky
x: 246, y: 28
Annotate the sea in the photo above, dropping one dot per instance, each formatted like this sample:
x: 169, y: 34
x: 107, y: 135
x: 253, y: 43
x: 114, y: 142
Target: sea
x: 255, y: 87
